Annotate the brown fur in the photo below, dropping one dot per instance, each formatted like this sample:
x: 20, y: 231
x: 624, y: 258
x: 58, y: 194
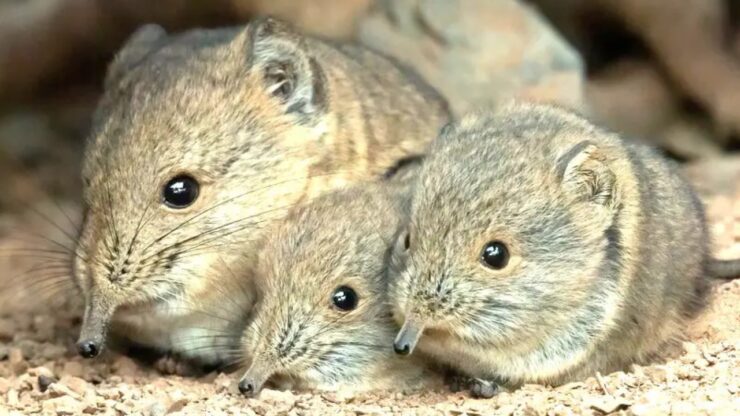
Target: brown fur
x: 607, y: 241
x: 264, y: 119
x: 296, y: 335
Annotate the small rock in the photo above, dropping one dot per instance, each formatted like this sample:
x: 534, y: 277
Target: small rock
x: 52, y: 351
x: 29, y: 347
x: 12, y: 398
x: 607, y: 404
x: 658, y: 374
x: 64, y: 405
x: 701, y: 363
x: 478, y: 53
x: 7, y: 329
x: 41, y: 371
x: 278, y: 396
x: 75, y: 384
x: 59, y: 390
x: 177, y: 405
x: 224, y: 383
x: 4, y: 385
x: 44, y: 382
x: 15, y: 356
x: 73, y: 368
x: 17, y: 363
x: 157, y: 409
x: 125, y: 366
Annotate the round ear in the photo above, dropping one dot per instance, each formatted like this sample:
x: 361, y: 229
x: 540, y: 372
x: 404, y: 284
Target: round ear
x: 586, y: 175
x: 289, y: 72
x: 138, y: 46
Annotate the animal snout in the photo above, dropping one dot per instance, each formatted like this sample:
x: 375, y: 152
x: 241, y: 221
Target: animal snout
x: 407, y: 338
x: 88, y: 348
x: 248, y: 388
x: 402, y: 348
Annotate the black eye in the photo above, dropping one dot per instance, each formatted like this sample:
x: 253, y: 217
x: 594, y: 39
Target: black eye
x: 344, y: 298
x: 180, y: 192
x: 495, y: 255
x: 407, y: 241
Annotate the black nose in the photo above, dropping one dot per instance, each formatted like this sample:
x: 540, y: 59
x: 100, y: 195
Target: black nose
x: 246, y: 388
x: 88, y: 349
x: 401, y: 348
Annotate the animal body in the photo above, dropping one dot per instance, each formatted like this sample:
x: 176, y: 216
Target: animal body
x: 204, y: 139
x: 542, y: 248
x: 322, y: 320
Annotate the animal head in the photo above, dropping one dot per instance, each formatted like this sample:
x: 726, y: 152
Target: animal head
x: 511, y: 221
x: 322, y: 318
x: 199, y: 141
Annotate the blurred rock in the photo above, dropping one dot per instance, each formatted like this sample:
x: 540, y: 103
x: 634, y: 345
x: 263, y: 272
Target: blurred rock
x: 478, y: 52
x: 633, y: 97
x: 327, y: 18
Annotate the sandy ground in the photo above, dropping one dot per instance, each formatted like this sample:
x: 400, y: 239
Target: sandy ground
x: 41, y: 374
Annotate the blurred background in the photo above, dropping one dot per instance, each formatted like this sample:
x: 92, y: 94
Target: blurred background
x: 662, y: 71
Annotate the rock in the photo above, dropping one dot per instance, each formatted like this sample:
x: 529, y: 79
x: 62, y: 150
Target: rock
x: 478, y: 52
x: 157, y: 409
x: 52, y: 351
x: 64, y: 405
x: 607, y: 404
x: 278, y: 396
x: 75, y: 384
x: 11, y: 399
x: 44, y: 382
x: 17, y: 363
x: 125, y: 366
x: 7, y: 329
x: 326, y: 18
x: 224, y: 383
x: 5, y: 385
x: 59, y: 390
x: 73, y: 368
x: 633, y: 97
x: 15, y: 356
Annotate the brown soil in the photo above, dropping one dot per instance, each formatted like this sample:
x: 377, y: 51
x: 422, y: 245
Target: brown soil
x: 40, y: 373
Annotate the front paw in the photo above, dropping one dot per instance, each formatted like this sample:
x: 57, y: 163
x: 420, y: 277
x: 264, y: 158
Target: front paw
x: 484, y: 389
x: 478, y: 387
x: 170, y: 364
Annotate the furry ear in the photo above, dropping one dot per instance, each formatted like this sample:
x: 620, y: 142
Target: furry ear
x: 140, y: 44
x: 587, y: 176
x: 289, y: 73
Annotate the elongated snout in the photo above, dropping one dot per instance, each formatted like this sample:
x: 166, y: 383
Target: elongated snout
x: 95, y: 323
x: 253, y: 380
x: 407, y: 337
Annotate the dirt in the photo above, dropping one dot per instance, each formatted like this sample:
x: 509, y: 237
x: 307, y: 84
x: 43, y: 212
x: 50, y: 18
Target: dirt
x: 41, y: 374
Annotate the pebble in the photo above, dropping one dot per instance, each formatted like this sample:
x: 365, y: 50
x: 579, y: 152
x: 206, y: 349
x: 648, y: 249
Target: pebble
x: 5, y: 385
x: 7, y: 330
x: 607, y: 404
x: 278, y: 396
x: 73, y: 368
x: 17, y: 364
x: 64, y: 405
x: 75, y: 384
x: 52, y: 351
x: 125, y: 367
x: 224, y: 383
x: 44, y: 382
x: 157, y: 409
x: 12, y: 398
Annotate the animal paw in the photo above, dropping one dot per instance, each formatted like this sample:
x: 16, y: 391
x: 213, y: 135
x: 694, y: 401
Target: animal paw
x: 478, y: 387
x: 457, y: 383
x: 483, y: 389
x: 171, y: 365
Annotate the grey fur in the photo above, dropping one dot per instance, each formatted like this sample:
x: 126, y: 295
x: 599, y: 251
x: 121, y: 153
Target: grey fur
x: 608, y: 243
